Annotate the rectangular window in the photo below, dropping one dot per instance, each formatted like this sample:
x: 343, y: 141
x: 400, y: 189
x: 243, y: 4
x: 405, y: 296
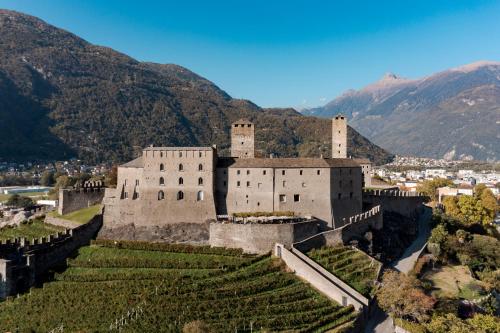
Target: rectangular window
x: 238, y: 183
x: 125, y: 182
x: 350, y: 183
x: 125, y: 195
x: 318, y: 172
x: 137, y: 182
x: 350, y: 195
x: 283, y: 172
x: 259, y: 185
x: 248, y: 172
x: 284, y: 183
x: 296, y: 197
x: 350, y: 171
x: 238, y: 172
x: 282, y: 198
x: 248, y: 184
x: 225, y: 183
x: 340, y: 195
x: 300, y: 172
x: 264, y: 172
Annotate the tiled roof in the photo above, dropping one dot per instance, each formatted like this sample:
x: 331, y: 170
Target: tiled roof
x: 137, y: 163
x: 299, y: 162
x: 362, y: 160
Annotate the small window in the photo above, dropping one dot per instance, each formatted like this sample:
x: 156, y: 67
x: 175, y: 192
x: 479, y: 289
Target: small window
x: 350, y: 195
x: 235, y: 125
x: 137, y: 182
x: 238, y: 183
x: 350, y: 183
x: 180, y: 195
x: 238, y: 172
x: 200, y: 167
x: 258, y: 203
x: 300, y: 172
x: 284, y: 183
x: 225, y: 172
x: 180, y: 154
x: 350, y: 171
x: 161, y: 195
x: 296, y: 197
x: 225, y: 183
x: 283, y: 172
x: 181, y: 167
x: 248, y: 184
x: 181, y: 181
x: 249, y: 125
x: 282, y: 198
x: 259, y: 185
x: 135, y: 196
x: 340, y: 195
x: 125, y: 195
x: 199, y: 154
x: 200, y: 181
x: 125, y: 182
x: 264, y: 172
x: 162, y: 181
x: 161, y: 154
x: 248, y: 172
x: 200, y: 196
x: 318, y: 172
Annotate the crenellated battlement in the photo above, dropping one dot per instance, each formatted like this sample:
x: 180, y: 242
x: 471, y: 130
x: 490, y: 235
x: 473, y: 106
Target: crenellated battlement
x: 362, y: 216
x: 391, y: 193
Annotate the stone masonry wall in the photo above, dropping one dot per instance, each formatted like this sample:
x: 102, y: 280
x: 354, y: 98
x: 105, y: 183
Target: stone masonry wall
x: 23, y: 261
x: 355, y: 226
x: 405, y: 203
x: 259, y: 238
x: 75, y: 199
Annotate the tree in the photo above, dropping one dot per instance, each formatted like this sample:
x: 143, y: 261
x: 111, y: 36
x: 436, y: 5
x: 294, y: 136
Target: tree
x: 478, y: 190
x: 196, y: 326
x: 19, y: 201
x: 429, y: 187
x: 450, y: 323
x: 472, y: 211
x: 489, y: 202
x: 403, y: 297
x: 63, y: 181
x: 451, y: 206
x: 47, y: 178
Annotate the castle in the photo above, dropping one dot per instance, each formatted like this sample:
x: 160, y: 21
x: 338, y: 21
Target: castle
x: 172, y: 185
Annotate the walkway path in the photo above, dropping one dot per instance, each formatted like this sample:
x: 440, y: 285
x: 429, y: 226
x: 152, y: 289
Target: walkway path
x: 380, y: 322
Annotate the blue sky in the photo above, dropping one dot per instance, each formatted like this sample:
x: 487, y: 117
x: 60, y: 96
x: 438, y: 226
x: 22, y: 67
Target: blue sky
x: 286, y: 53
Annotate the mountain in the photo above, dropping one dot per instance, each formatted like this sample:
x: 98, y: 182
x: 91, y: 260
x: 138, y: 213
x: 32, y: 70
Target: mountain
x: 62, y: 97
x: 453, y: 114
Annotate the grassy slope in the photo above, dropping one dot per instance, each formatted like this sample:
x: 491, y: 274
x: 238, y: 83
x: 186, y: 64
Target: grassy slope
x: 82, y: 216
x: 351, y: 266
x: 227, y: 292
x: 33, y: 229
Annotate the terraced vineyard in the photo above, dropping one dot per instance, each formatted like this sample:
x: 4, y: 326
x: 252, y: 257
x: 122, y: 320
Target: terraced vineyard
x: 352, y: 266
x: 140, y: 287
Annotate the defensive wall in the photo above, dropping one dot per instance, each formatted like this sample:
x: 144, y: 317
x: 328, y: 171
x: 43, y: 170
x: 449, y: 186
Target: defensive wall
x: 321, y: 279
x: 408, y: 204
x: 355, y: 226
x: 81, y: 197
x: 260, y: 238
x: 23, y: 262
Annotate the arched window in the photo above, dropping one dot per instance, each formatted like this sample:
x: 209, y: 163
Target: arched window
x: 162, y: 181
x: 200, y: 196
x: 200, y: 167
x: 200, y: 181
x: 181, y: 181
x: 161, y: 195
x: 181, y: 167
x: 162, y: 167
x: 180, y: 195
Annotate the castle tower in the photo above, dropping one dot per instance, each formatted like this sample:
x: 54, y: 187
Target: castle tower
x: 242, y: 139
x: 339, y: 136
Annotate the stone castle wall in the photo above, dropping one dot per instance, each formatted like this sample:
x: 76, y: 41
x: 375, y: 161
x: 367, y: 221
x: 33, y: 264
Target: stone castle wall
x: 355, y: 226
x: 24, y: 261
x: 260, y: 238
x: 408, y: 204
x: 75, y: 199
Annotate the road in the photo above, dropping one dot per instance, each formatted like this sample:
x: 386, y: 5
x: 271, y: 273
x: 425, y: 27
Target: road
x: 380, y: 322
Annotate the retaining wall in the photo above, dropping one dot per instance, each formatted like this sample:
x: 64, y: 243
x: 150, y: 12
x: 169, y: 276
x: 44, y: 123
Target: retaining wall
x: 321, y: 279
x: 357, y: 226
x: 23, y: 262
x: 260, y: 238
x: 75, y: 199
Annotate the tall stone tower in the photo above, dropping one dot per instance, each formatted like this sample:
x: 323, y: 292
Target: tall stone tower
x: 243, y: 139
x: 339, y: 136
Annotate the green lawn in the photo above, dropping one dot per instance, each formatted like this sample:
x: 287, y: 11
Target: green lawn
x: 37, y: 195
x: 80, y: 216
x: 351, y: 266
x: 162, y: 291
x: 31, y: 229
